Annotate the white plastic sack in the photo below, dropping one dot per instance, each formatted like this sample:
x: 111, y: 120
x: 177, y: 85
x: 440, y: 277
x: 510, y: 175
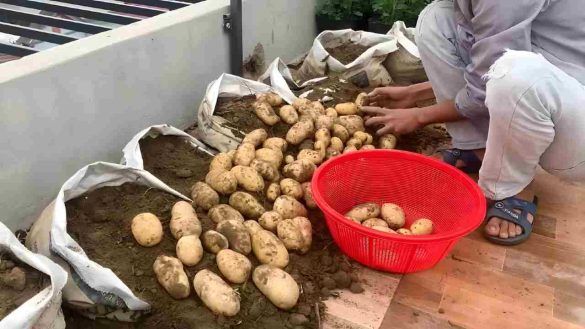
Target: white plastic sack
x: 91, y: 289
x: 211, y: 129
x: 405, y: 66
x: 366, y: 71
x: 133, y: 156
x: 44, y: 309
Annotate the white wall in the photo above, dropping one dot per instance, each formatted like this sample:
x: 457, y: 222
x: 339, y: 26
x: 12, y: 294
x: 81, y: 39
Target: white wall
x: 78, y: 103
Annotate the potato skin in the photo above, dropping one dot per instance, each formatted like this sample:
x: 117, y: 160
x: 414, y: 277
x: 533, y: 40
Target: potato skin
x: 361, y: 100
x: 272, y: 156
x: 288, y: 207
x: 170, y: 274
x: 147, y: 229
x: 234, y: 266
x: 364, y: 137
x: 299, y: 132
x: 265, y: 113
x: 324, y: 121
x: 387, y: 142
x: 352, y: 123
x: 275, y: 143
x: 273, y: 191
x: 299, y: 170
x: 246, y: 204
x: 189, y: 250
x: 291, y: 188
x: 244, y: 155
x: 248, y: 178
x: 214, y: 241
x: 270, y: 98
x: 256, y: 137
x: 224, y: 182
x: 222, y: 161
x: 269, y: 220
x: 253, y: 227
x: 237, y: 235
x: 340, y: 132
x: 222, y: 212
x: 296, y: 233
x: 265, y: 169
x: 184, y: 220
x: 308, y: 195
x: 217, y: 295
x: 337, y: 144
x: 346, y: 108
x: 354, y: 142
x: 288, y: 114
x: 269, y: 250
x: 349, y: 149
x: 204, y: 196
x: 422, y: 226
x: 404, y: 231
x: 374, y: 222
x: 363, y: 211
x: 368, y: 147
x: 277, y: 285
x: 383, y: 229
x: 330, y: 112
x: 393, y: 215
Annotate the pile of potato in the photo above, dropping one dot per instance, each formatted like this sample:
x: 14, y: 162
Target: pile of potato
x: 389, y: 218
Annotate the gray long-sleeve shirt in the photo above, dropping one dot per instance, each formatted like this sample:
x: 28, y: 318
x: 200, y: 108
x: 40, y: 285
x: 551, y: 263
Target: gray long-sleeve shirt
x: 486, y: 28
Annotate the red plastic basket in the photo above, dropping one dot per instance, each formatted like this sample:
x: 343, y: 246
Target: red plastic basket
x: 422, y: 186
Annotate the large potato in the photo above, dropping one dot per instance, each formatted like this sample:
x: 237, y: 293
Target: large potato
x: 170, y: 274
x: 270, y: 98
x: 337, y: 144
x: 222, y: 212
x: 387, y: 142
x: 299, y: 132
x: 272, y: 156
x: 256, y: 137
x: 265, y: 169
x: 269, y: 220
x: 224, y: 182
x: 291, y: 187
x: 273, y: 191
x: 245, y: 154
x: 374, y: 222
x: 237, y: 235
x: 277, y: 285
x: 296, y: 233
x: 221, y: 161
x: 300, y: 170
x: 214, y: 241
x: 301, y: 102
x: 317, y: 107
x: 308, y: 195
x: 276, y: 143
x: 253, y: 227
x: 147, y: 229
x: 268, y: 248
x: 363, y: 211
x: 352, y: 123
x: 340, y: 132
x: 248, y: 178
x: 346, y: 108
x: 324, y: 121
x: 235, y: 267
x: 246, y: 204
x: 184, y: 220
x: 393, y: 215
x: 289, y: 207
x: 330, y: 112
x: 217, y: 295
x: 189, y: 250
x: 421, y: 226
x: 265, y: 113
x: 204, y: 196
x: 288, y: 114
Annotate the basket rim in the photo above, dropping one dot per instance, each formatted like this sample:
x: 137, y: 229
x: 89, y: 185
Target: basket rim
x: 469, y: 184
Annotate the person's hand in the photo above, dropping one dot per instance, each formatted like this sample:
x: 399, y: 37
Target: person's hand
x: 394, y: 121
x: 392, y: 97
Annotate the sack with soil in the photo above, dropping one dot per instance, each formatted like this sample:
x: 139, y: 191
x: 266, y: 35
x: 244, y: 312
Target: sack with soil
x: 92, y: 290
x: 405, y: 66
x: 218, y: 129
x: 30, y: 296
x: 356, y: 56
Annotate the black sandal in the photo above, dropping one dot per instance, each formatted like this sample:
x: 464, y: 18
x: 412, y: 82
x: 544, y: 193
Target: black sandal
x: 471, y: 162
x: 505, y: 210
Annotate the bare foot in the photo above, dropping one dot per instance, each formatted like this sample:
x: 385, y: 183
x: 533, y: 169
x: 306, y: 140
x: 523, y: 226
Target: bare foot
x: 504, y: 229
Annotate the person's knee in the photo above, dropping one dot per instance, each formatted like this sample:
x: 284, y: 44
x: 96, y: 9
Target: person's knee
x: 432, y: 21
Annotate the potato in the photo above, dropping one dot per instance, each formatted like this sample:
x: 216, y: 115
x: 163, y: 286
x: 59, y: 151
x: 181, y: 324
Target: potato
x: 231, y: 154
x: 237, y: 235
x: 364, y: 137
x: 354, y: 142
x: 317, y: 107
x: 276, y: 143
x: 291, y: 188
x: 308, y: 195
x: 288, y: 114
x: 324, y: 121
x: 147, y: 229
x: 244, y: 154
x: 368, y: 147
x: 295, y: 233
x: 277, y: 285
x: 217, y: 295
x: 374, y: 222
x: 383, y: 229
x: 330, y: 112
x: 346, y: 108
x: 189, y: 250
x: 270, y: 98
x: 253, y: 227
x: 340, y: 132
x: 265, y: 113
x: 224, y: 182
x: 331, y: 152
x: 352, y: 123
x: 323, y: 134
x: 274, y: 157
x: 264, y: 169
x: 320, y: 146
x: 289, y: 207
x: 171, y: 275
x: 300, y: 170
x: 273, y: 191
x: 307, y: 144
x: 184, y: 220
x: 222, y: 212
x: 364, y: 211
x: 393, y: 215
x: 421, y: 226
x: 235, y: 267
x: 269, y: 220
x: 387, y: 142
x: 256, y: 137
x: 361, y: 100
x: 313, y: 156
x: 337, y: 144
x: 404, y: 231
x: 289, y: 159
x: 214, y: 241
x: 301, y: 102
x: 349, y: 149
x: 268, y: 248
x: 222, y: 161
x: 299, y: 132
x: 204, y: 196
x: 246, y: 204
x: 248, y: 178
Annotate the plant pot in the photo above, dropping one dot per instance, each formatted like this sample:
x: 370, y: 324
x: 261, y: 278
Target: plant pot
x: 377, y: 26
x: 354, y: 23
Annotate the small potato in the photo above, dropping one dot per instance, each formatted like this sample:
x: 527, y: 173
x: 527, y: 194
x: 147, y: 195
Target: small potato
x: 361, y: 100
x: 352, y: 123
x: 331, y: 152
x: 246, y: 204
x: 171, y: 275
x: 217, y: 295
x: 349, y: 149
x: 404, y: 231
x: 214, y: 241
x: 224, y: 182
x: 323, y: 134
x: 222, y: 212
x: 235, y: 267
x: 147, y: 229
x: 354, y: 142
x: 313, y: 156
x: 289, y: 159
x: 189, y: 250
x: 393, y: 215
x: 296, y: 233
x: 346, y: 108
x: 274, y: 157
x: 340, y: 132
x: 265, y: 169
x: 308, y: 195
x: 422, y: 226
x: 318, y: 107
x: 364, y: 137
x: 337, y: 144
x: 324, y: 121
x: 387, y: 142
x: 291, y: 187
x: 270, y: 98
x: 231, y: 154
x: 289, y: 207
x: 204, y: 196
x: 273, y: 191
x: 320, y: 146
x: 253, y: 227
x: 237, y: 235
x: 269, y: 220
x: 301, y: 102
x: 288, y: 114
x: 222, y: 161
x: 277, y: 285
x: 265, y: 113
x: 268, y: 248
x: 276, y: 143
x: 368, y: 147
x: 256, y: 137
x: 330, y: 112
x: 300, y: 170
x: 299, y: 132
x: 244, y: 154
x: 184, y: 220
x: 248, y: 178
x: 374, y: 222
x: 383, y: 229
x: 364, y: 211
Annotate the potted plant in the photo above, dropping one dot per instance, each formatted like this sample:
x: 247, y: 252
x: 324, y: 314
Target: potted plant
x: 386, y: 12
x: 342, y: 14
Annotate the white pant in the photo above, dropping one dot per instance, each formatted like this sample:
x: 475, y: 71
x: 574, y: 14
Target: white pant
x: 537, y: 111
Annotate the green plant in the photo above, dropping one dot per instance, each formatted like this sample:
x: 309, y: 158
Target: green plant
x: 390, y: 11
x: 342, y: 9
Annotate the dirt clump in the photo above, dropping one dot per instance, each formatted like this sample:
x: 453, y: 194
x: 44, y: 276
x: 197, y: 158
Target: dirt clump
x: 347, y: 52
x: 18, y: 283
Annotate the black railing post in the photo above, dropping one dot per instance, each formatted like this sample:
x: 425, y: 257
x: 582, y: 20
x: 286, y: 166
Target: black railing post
x: 236, y: 44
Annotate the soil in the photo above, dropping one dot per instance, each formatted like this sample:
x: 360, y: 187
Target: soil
x: 347, y: 52
x: 339, y: 90
x: 107, y: 239
x: 429, y: 140
x: 11, y: 298
x: 174, y: 161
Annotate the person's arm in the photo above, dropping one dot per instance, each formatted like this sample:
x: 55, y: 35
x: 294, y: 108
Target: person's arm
x: 401, y: 96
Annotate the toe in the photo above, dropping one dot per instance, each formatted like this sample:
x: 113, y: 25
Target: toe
x: 512, y: 230
x: 493, y: 226
x: 518, y: 230
x: 504, y: 229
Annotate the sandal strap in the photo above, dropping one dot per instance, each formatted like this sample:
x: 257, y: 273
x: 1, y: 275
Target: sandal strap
x: 471, y: 161
x: 504, y: 209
